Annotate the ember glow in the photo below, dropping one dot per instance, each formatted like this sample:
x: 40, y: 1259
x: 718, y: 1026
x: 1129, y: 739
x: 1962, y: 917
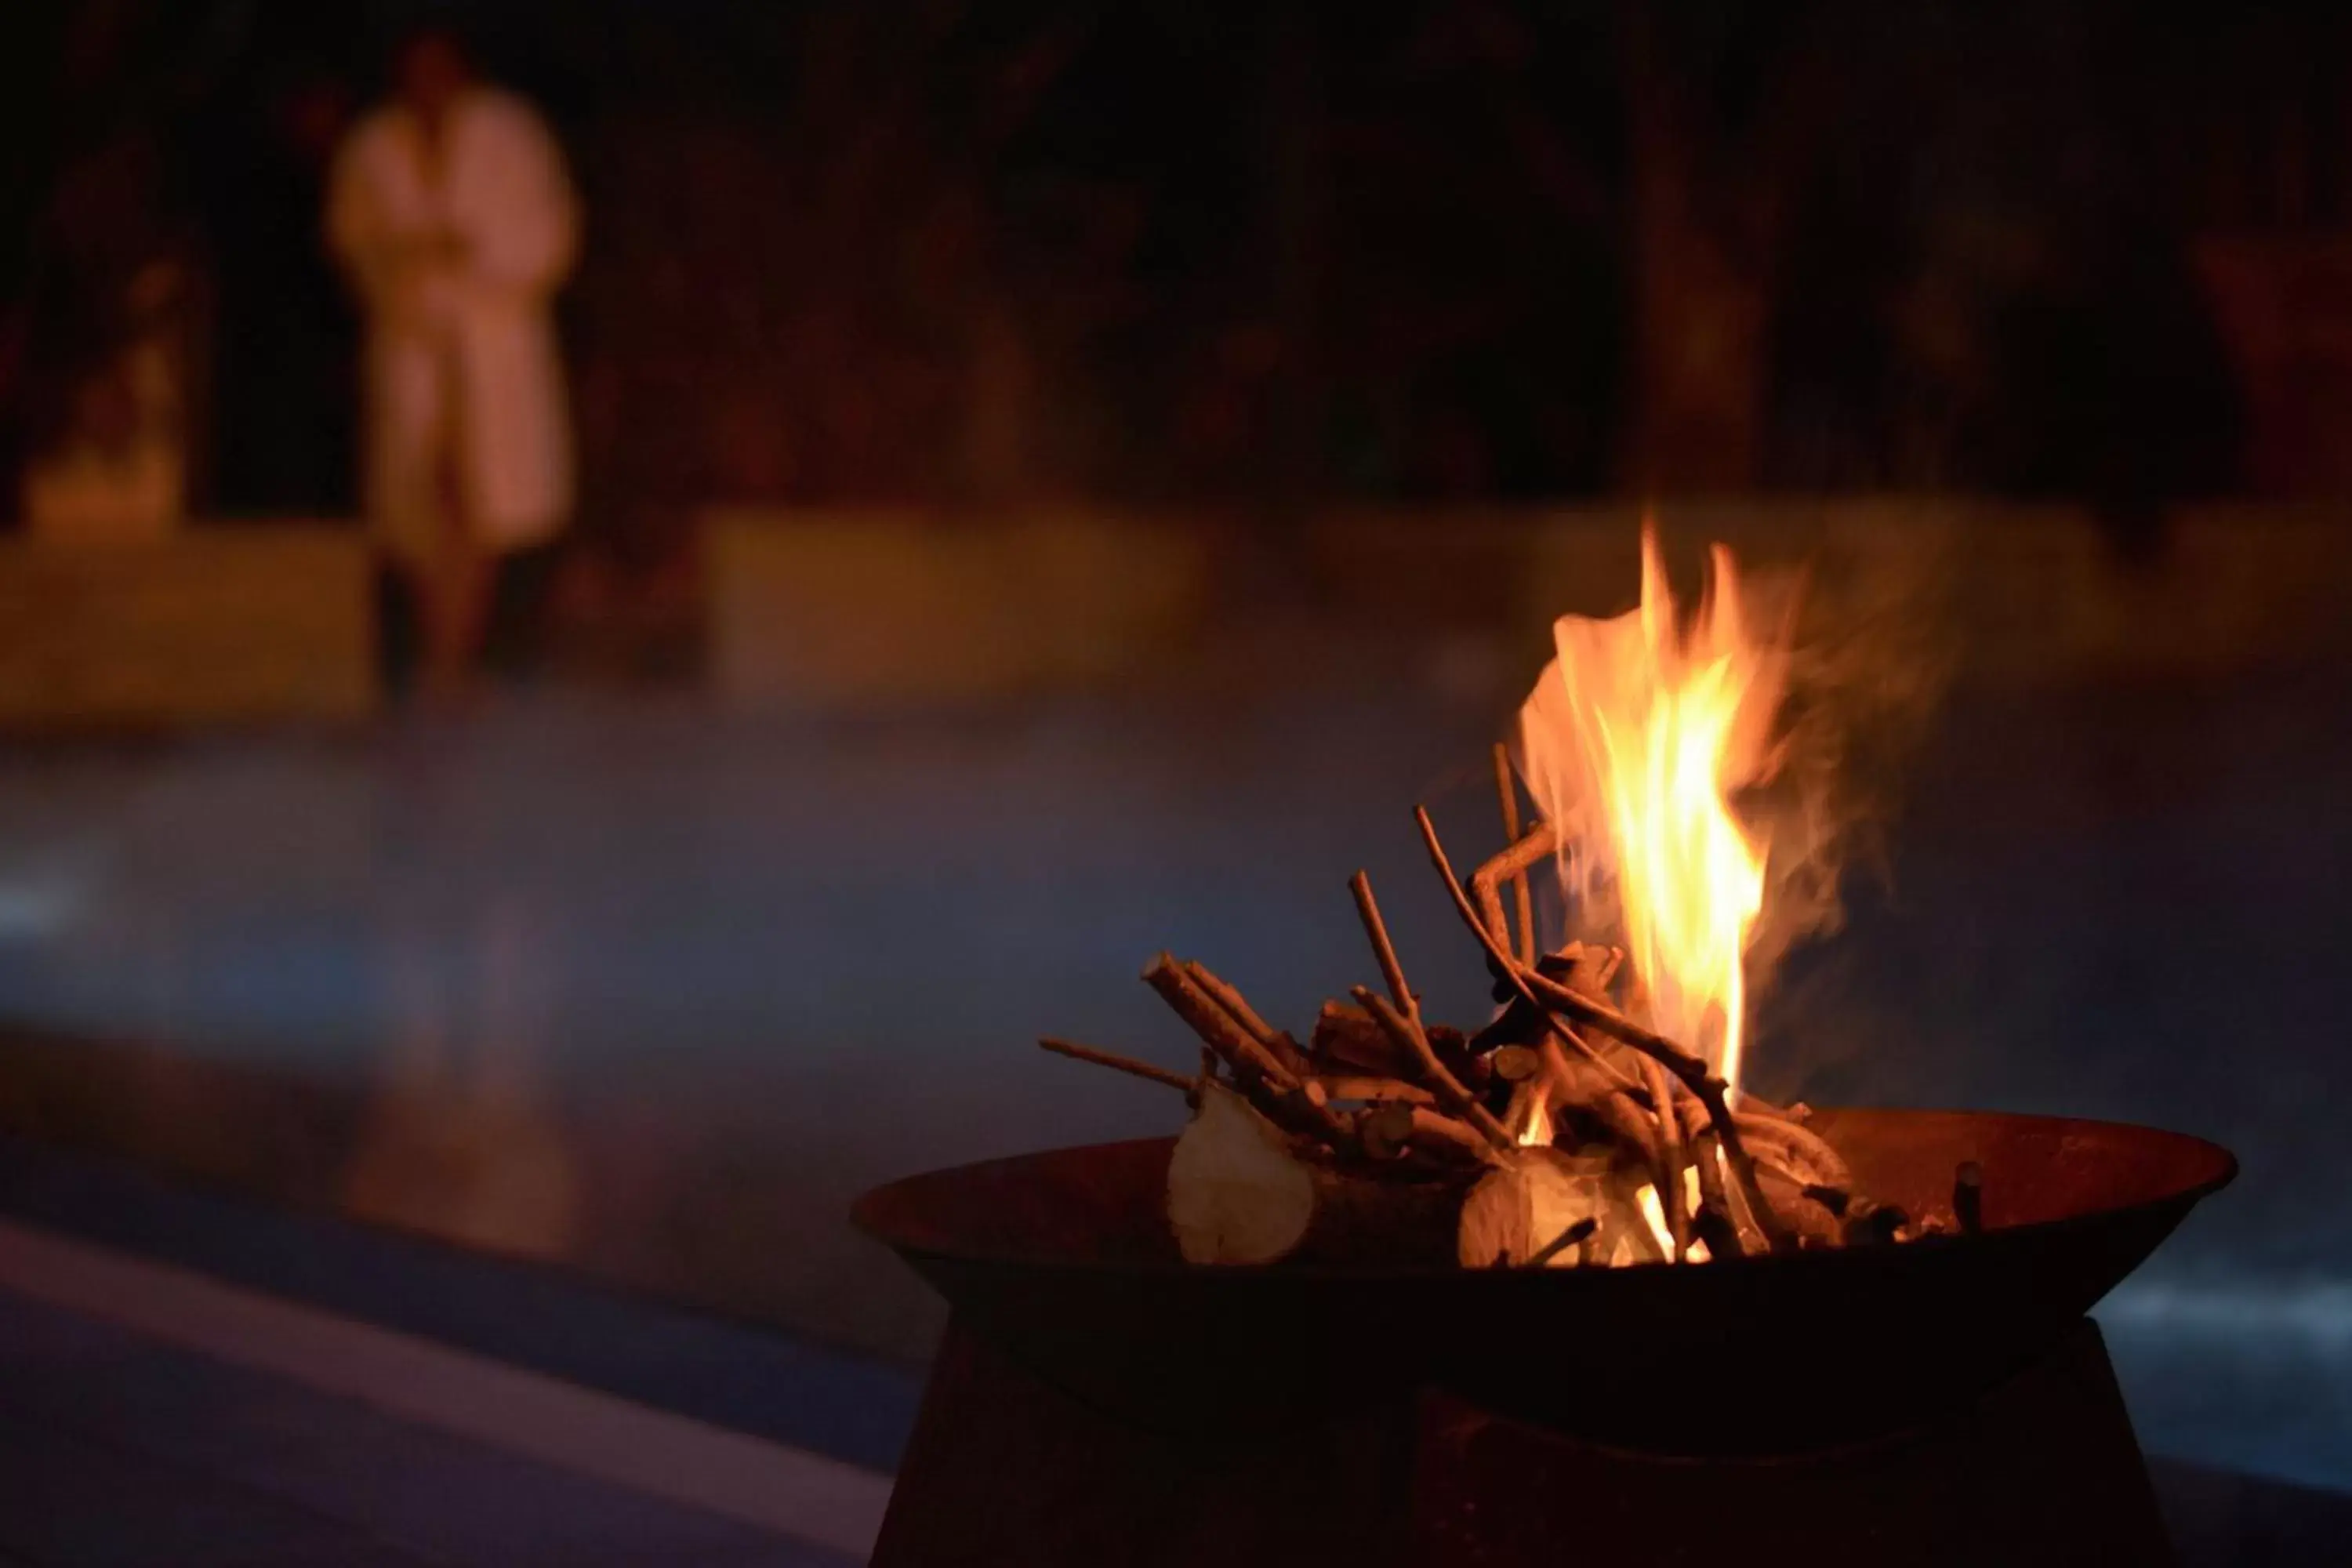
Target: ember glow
x: 1632, y: 743
x: 1534, y: 1127
x: 1654, y: 1216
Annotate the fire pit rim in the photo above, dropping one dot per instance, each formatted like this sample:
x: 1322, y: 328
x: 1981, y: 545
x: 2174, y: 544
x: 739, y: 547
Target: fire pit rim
x: 865, y: 1216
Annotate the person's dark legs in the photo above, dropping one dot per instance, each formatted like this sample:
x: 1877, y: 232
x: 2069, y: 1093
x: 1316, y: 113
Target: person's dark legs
x: 513, y: 641
x: 399, y: 642
x: 512, y: 622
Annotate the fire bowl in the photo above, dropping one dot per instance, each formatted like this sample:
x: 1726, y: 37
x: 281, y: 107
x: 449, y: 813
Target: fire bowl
x: 1063, y: 1261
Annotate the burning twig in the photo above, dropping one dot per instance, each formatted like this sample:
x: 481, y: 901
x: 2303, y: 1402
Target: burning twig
x: 1586, y: 975
x: 1571, y: 1236
x: 1553, y: 996
x: 1117, y: 1063
x: 1521, y: 897
x: 1691, y: 1069
x: 1801, y: 1154
x: 1549, y: 994
x: 1671, y: 1197
x: 1581, y: 1084
x: 1713, y: 1222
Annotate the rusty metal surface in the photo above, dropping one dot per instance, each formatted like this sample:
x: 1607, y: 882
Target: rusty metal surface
x: 1063, y: 1261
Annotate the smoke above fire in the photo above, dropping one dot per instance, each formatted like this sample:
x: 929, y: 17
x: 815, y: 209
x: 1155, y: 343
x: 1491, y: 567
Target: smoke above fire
x: 1869, y: 655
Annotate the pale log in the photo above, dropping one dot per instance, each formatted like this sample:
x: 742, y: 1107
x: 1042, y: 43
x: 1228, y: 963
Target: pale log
x: 1241, y: 1192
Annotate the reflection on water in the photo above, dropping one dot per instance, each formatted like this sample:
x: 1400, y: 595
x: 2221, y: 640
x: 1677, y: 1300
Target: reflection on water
x: 658, y: 992
x: 458, y: 1141
x: 2255, y: 1376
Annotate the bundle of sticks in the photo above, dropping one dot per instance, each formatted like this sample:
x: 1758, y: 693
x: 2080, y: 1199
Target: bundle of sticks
x: 1562, y: 1132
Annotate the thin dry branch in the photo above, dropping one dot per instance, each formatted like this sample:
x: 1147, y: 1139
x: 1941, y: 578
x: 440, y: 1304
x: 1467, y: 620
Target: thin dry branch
x: 1512, y: 865
x: 1368, y: 909
x: 1218, y: 1029
x: 1522, y: 899
x: 1117, y: 1063
x: 1256, y: 1073
x: 1396, y: 1127
x: 1369, y: 1088
x: 1407, y: 1034
x: 1435, y: 1129
x: 1233, y: 1001
x: 1581, y: 1083
x: 1278, y: 1045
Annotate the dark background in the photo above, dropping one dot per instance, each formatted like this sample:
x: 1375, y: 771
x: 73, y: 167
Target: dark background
x: 959, y: 252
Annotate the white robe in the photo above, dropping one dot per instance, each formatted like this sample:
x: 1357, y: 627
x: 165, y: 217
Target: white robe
x: 463, y: 376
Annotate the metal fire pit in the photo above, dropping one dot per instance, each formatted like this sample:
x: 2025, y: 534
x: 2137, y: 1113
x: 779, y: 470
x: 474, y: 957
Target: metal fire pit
x: 1065, y: 1283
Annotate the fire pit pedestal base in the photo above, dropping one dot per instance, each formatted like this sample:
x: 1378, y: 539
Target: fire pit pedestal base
x: 2044, y: 1469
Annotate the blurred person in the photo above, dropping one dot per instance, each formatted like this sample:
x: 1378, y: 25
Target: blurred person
x: 450, y: 209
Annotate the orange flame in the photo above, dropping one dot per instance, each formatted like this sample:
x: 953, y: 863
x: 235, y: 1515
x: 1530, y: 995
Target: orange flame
x: 1631, y: 742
